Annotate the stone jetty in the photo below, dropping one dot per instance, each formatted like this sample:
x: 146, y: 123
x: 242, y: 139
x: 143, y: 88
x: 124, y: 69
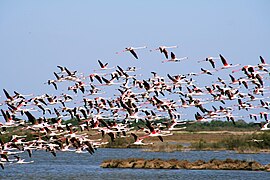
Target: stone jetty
x: 214, y: 164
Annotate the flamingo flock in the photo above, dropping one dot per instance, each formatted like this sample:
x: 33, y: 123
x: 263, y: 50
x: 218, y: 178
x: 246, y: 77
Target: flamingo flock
x: 156, y: 103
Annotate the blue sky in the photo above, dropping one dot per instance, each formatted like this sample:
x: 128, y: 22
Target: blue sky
x: 36, y: 36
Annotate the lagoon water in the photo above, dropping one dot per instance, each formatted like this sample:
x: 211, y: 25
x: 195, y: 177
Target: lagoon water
x: 69, y: 165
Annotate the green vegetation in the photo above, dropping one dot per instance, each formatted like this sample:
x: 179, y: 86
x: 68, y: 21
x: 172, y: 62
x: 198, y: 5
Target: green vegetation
x: 120, y: 142
x: 245, y: 143
x: 165, y: 147
x: 239, y: 125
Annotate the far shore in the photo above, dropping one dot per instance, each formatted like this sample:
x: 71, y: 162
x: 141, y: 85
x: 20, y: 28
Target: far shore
x: 239, y: 141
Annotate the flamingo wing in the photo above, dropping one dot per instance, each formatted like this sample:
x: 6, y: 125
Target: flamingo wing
x: 262, y: 60
x: 7, y: 95
x: 173, y: 55
x: 160, y: 138
x: 223, y: 60
x: 134, y: 53
x: 165, y: 53
x: 100, y: 64
x: 212, y: 62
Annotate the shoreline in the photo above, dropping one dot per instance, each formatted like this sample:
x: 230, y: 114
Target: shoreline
x: 245, y: 142
x: 149, y: 149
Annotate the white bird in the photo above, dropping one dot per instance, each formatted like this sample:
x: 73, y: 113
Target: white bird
x: 22, y: 161
x: 138, y: 140
x: 226, y: 65
x: 163, y: 49
x: 104, y: 66
x: 265, y: 127
x: 210, y: 60
x: 175, y: 123
x: 132, y: 50
x: 174, y: 58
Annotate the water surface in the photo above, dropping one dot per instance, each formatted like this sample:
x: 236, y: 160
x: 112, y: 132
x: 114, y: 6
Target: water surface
x: 69, y: 165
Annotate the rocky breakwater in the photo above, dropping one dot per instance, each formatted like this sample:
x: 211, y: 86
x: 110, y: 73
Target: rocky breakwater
x: 214, y: 164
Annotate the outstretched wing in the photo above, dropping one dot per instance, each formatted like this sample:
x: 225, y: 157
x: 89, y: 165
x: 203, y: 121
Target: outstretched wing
x: 223, y: 60
x: 134, y: 53
x: 100, y: 64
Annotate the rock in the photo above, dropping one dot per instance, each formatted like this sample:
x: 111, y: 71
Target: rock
x: 243, y: 165
x: 125, y: 164
x: 157, y: 164
x: 228, y: 160
x: 149, y: 164
x: 174, y: 163
x: 114, y: 163
x: 167, y: 165
x: 139, y: 163
x: 105, y: 164
x: 185, y: 164
x: 267, y: 167
x: 214, y: 164
x: 198, y: 163
x: 257, y: 166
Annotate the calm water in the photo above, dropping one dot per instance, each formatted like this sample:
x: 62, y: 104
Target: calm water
x: 68, y: 165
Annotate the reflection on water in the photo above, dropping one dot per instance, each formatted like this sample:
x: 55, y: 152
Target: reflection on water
x: 68, y: 165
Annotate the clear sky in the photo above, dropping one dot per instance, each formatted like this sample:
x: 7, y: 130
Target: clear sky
x: 36, y: 36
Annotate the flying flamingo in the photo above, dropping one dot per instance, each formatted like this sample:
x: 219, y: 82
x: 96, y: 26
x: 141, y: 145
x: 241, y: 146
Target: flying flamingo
x: 22, y: 161
x: 104, y: 66
x: 138, y: 140
x: 255, y: 116
x: 210, y: 60
x: 132, y: 50
x: 174, y: 58
x: 226, y: 65
x: 108, y: 82
x: 175, y: 123
x: 265, y: 127
x: 155, y: 132
x: 205, y: 71
x: 163, y: 49
x: 263, y: 63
